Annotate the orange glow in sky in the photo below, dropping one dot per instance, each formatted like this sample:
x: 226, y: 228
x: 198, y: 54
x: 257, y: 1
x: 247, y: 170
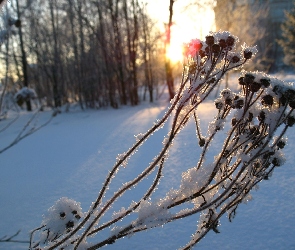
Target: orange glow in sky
x: 188, y: 23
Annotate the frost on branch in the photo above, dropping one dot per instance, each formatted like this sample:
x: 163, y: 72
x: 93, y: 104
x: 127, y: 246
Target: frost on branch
x: 254, y: 122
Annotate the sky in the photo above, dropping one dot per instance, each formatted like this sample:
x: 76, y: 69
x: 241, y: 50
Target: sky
x: 188, y: 22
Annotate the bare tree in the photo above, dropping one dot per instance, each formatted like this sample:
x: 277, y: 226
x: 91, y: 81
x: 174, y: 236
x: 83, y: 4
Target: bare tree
x: 169, y: 73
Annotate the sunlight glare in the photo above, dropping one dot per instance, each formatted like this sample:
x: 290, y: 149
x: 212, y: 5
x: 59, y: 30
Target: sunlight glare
x: 187, y: 25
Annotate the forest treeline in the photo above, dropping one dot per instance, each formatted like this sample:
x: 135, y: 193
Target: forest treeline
x: 95, y: 53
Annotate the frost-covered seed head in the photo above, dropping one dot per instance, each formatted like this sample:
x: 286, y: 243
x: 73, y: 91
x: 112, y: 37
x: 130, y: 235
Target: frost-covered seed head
x: 265, y: 82
x: 248, y: 54
x: 222, y: 43
x: 70, y: 224
x: 267, y: 100
x: 290, y: 121
x: 202, y: 142
x: 254, y: 86
x: 230, y: 41
x: 276, y: 162
x: 281, y: 144
x: 290, y: 94
x: 215, y: 48
x: 241, y: 81
x: 235, y: 59
x: 62, y: 215
x: 249, y: 78
x: 228, y: 101
x: 225, y: 93
x: 219, y: 104
x: 209, y: 40
x: 77, y: 216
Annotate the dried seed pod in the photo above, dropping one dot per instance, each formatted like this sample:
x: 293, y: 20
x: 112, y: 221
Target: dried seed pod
x: 276, y: 162
x: 290, y: 121
x: 235, y: 59
x: 230, y: 41
x: 209, y: 40
x: 222, y: 43
x: 62, y: 215
x: 202, y: 142
x: 267, y: 100
x: 219, y: 104
x: 215, y: 48
x: 265, y: 82
x: 247, y: 54
x: 249, y: 78
x: 254, y: 86
x: 281, y: 144
x: 225, y: 93
x: 290, y: 94
x: 228, y: 101
x: 241, y: 81
x: 70, y: 224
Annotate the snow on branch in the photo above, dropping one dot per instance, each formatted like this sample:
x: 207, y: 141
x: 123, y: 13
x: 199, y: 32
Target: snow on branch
x: 255, y: 121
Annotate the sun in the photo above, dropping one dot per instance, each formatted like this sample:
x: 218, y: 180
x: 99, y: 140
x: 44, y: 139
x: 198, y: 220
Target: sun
x: 174, y: 52
x: 187, y: 25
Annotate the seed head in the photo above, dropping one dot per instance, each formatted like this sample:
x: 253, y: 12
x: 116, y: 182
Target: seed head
x: 241, y: 81
x: 222, y: 43
x: 230, y: 41
x: 267, y: 100
x: 235, y: 59
x: 247, y: 54
x: 215, y: 48
x: 265, y: 82
x: 209, y: 40
x: 290, y: 121
x: 249, y: 78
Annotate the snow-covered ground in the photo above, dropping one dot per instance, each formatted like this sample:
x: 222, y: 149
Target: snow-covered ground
x: 72, y: 155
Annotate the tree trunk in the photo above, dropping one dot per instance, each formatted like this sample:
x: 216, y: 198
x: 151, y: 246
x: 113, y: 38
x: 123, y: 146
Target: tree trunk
x: 23, y: 56
x: 169, y: 73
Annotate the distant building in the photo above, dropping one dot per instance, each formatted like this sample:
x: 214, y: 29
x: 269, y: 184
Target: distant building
x: 272, y: 24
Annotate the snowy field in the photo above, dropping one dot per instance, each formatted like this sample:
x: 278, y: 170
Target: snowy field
x: 71, y: 156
